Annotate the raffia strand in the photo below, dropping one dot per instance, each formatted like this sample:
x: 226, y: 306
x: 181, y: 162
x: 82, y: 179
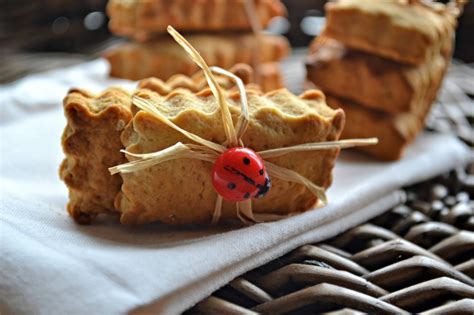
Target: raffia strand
x: 292, y: 176
x: 213, y: 84
x: 244, y: 117
x: 217, y: 210
x: 176, y: 151
x: 147, y: 106
x: 341, y: 144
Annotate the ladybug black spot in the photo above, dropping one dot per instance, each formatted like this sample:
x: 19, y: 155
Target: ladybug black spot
x: 261, y: 171
x: 246, y: 161
x: 247, y: 196
x: 231, y: 186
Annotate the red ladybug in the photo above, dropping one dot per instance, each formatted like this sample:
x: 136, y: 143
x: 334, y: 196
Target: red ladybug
x: 239, y: 174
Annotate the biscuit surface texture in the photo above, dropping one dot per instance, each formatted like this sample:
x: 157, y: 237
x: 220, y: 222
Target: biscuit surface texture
x: 394, y: 29
x: 394, y: 130
x: 377, y: 83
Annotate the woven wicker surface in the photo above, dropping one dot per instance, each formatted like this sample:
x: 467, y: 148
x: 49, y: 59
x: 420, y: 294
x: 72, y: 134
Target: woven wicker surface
x: 417, y: 257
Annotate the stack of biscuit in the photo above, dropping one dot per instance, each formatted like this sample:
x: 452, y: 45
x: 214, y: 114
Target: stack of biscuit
x: 383, y: 62
x: 220, y: 30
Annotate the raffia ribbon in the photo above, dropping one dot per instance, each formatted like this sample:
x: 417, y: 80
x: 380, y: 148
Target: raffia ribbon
x: 209, y: 151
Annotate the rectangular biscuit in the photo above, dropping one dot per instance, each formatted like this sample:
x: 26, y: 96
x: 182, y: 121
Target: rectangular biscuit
x: 395, y: 131
x: 368, y: 80
x: 164, y: 58
x: 91, y: 143
x: 268, y: 78
x: 144, y: 20
x: 181, y: 192
x: 395, y: 29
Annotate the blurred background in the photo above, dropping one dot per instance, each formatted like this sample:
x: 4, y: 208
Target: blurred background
x: 37, y: 35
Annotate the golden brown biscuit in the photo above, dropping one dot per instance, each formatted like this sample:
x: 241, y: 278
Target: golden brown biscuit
x: 181, y: 192
x: 91, y: 139
x: 269, y: 78
x: 371, y: 81
x: 142, y: 20
x: 197, y: 81
x: 395, y: 131
x: 91, y: 143
x: 164, y: 58
x: 396, y: 29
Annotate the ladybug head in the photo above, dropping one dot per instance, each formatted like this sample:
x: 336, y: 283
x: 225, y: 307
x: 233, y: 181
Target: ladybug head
x: 263, y: 189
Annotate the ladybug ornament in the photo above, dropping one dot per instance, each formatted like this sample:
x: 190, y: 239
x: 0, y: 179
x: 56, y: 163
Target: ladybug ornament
x: 239, y: 174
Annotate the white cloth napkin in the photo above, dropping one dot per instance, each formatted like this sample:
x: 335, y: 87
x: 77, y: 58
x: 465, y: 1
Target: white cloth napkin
x: 49, y: 265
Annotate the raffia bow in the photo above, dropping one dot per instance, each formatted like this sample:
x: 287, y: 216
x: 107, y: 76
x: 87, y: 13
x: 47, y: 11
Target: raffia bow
x: 209, y: 151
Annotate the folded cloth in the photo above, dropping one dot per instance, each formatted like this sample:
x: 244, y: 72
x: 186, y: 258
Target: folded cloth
x: 49, y: 265
x: 24, y: 98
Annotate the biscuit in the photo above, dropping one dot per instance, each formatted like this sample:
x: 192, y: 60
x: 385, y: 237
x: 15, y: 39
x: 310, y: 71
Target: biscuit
x: 395, y: 131
x: 269, y: 78
x: 164, y: 58
x: 197, y: 81
x: 91, y: 143
x: 91, y: 139
x: 143, y: 20
x: 395, y: 29
x: 368, y: 80
x: 181, y: 192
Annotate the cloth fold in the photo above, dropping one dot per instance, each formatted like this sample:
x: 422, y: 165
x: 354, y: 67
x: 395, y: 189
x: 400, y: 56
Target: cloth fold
x: 49, y: 265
